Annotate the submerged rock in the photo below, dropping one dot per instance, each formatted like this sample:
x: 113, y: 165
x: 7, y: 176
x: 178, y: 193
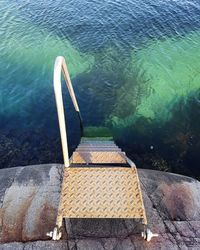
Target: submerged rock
x: 29, y: 198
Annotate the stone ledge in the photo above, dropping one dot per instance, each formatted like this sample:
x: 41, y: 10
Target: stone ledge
x: 29, y: 200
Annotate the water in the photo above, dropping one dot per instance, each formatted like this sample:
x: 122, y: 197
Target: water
x: 135, y: 67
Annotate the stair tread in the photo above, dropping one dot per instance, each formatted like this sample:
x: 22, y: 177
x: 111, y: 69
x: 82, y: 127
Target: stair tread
x: 98, y: 142
x: 98, y: 157
x: 101, y: 165
x: 97, y: 146
x: 101, y: 193
x: 98, y: 150
x: 99, y: 139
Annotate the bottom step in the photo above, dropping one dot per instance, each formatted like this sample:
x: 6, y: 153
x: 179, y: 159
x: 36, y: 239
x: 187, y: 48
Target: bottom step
x: 101, y: 193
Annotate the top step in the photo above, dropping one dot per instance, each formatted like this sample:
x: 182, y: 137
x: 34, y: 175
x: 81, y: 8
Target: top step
x: 96, y: 139
x: 101, y: 132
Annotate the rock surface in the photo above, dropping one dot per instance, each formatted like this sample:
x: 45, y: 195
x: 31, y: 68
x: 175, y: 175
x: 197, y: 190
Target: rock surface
x: 29, y: 198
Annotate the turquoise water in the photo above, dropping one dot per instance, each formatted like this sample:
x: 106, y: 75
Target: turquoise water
x: 135, y: 67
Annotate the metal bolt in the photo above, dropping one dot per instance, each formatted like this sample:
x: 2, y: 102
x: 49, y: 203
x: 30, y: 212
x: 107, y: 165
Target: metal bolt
x: 148, y: 235
x: 50, y: 234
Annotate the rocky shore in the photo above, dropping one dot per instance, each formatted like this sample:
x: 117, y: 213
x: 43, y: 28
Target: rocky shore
x: 29, y: 198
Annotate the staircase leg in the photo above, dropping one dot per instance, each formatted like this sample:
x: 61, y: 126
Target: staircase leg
x: 56, y: 234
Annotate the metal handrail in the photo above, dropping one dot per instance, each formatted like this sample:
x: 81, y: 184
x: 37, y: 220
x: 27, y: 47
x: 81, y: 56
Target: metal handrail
x: 61, y: 67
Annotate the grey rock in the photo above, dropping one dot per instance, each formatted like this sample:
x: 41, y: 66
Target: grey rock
x: 89, y: 244
x: 29, y: 207
x: 30, y: 196
x: 45, y: 245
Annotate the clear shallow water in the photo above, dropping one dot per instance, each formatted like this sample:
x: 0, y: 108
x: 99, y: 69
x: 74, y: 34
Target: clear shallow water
x: 135, y: 67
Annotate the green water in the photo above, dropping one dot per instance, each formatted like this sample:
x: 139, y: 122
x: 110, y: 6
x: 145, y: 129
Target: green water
x: 169, y: 71
x: 134, y: 67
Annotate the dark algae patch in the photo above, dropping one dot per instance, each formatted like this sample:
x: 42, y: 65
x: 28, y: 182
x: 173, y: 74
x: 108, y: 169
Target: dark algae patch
x: 172, y: 147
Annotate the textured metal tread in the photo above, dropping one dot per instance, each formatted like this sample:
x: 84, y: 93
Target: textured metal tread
x: 98, y: 149
x: 101, y: 193
x: 99, y: 139
x: 101, y: 165
x: 98, y: 144
x: 98, y: 157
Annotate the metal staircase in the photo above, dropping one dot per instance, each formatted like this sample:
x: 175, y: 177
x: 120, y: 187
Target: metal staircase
x: 99, y: 180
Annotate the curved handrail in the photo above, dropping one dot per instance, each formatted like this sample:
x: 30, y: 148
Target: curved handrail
x: 61, y: 67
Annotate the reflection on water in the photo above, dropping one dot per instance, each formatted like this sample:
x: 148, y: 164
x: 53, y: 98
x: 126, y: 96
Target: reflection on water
x: 135, y: 68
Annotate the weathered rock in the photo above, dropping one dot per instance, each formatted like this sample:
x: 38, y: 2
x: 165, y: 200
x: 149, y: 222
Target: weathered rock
x: 29, y: 198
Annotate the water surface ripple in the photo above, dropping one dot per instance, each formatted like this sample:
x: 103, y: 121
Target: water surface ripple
x: 135, y: 67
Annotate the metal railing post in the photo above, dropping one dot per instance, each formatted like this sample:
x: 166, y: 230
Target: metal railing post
x: 61, y: 67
